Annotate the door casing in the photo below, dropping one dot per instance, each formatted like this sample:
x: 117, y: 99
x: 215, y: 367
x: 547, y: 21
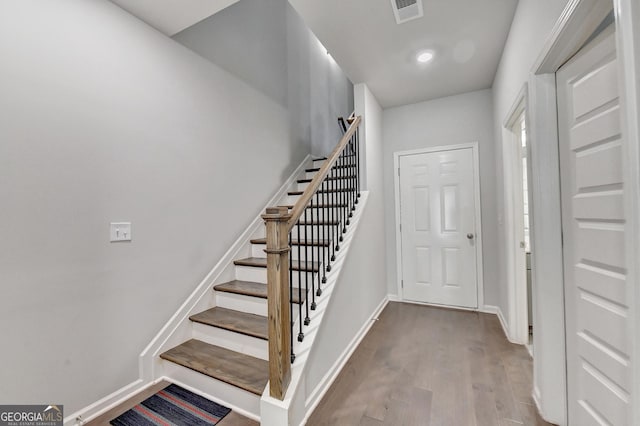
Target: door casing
x: 478, y: 218
x: 577, y: 22
x: 518, y: 327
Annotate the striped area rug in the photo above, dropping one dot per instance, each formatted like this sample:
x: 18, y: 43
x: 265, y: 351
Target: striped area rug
x: 173, y: 405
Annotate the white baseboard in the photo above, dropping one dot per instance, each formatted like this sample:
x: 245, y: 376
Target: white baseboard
x: 94, y: 410
x: 489, y: 309
x: 503, y: 322
x: 321, y: 389
x: 435, y: 305
x: 535, y: 395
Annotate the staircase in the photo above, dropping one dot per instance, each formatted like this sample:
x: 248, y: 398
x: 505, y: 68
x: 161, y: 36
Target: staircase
x: 224, y: 349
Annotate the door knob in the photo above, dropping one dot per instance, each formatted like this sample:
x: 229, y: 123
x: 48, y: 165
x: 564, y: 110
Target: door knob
x: 470, y: 236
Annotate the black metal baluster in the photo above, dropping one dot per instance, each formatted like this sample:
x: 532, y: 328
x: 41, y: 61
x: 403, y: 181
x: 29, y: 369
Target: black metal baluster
x: 323, y: 226
x: 357, y: 165
x: 335, y: 206
x: 347, y: 177
x: 300, y: 333
x: 345, y: 216
x: 352, y: 174
x: 307, y: 320
x: 312, y: 249
x: 345, y: 187
x: 293, y: 355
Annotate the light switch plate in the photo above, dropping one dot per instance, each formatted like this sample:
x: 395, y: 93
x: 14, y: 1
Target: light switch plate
x: 120, y: 231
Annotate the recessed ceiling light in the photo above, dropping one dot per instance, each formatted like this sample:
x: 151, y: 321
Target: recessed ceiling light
x: 424, y: 57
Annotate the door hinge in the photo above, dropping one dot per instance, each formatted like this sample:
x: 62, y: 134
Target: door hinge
x: 402, y: 283
x: 398, y: 171
x: 400, y: 227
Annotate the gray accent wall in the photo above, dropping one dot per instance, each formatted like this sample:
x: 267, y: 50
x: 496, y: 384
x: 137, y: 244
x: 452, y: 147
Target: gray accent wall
x: 268, y: 45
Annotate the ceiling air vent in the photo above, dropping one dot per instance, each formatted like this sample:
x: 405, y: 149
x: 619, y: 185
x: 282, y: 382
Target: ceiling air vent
x: 406, y: 10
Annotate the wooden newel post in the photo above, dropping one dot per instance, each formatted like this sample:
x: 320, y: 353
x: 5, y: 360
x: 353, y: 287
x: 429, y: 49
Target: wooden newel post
x: 276, y: 219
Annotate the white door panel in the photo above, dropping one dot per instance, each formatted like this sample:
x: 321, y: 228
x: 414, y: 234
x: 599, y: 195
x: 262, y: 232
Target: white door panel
x: 598, y: 362
x: 437, y: 209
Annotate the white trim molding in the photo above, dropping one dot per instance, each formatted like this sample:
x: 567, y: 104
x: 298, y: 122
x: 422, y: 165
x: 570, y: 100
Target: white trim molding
x: 517, y: 320
x: 92, y: 411
x: 627, y: 17
x: 478, y: 216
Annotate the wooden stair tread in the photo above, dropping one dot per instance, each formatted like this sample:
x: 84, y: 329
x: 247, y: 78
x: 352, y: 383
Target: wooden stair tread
x: 253, y: 289
x: 342, y: 166
x: 239, y: 322
x: 324, y: 243
x: 328, y: 178
x: 328, y: 191
x: 322, y: 222
x: 261, y: 262
x: 240, y: 370
x: 320, y: 206
x: 325, y: 158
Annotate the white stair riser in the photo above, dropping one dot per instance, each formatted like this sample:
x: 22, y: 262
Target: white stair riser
x: 311, y: 252
x: 242, y: 303
x: 214, y: 389
x: 248, y: 304
x: 349, y: 183
x: 324, y: 213
x: 339, y: 172
x: 313, y: 232
x: 259, y: 275
x: 238, y: 342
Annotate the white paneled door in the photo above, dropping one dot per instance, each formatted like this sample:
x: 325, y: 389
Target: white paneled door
x: 438, y: 227
x: 593, y: 222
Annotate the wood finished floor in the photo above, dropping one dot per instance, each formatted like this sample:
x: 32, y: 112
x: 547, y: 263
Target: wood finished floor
x: 421, y: 365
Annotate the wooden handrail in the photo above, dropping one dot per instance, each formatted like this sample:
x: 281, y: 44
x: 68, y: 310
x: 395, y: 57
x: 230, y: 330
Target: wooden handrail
x: 311, y: 189
x: 279, y: 224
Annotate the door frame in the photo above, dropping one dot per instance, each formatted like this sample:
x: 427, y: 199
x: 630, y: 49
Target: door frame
x: 518, y: 327
x: 478, y: 215
x: 575, y: 25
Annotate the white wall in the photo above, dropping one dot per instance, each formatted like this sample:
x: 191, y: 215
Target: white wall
x: 446, y: 121
x: 362, y: 286
x: 532, y: 24
x: 267, y: 44
x: 104, y: 119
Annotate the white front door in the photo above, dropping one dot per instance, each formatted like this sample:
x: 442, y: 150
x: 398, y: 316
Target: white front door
x: 599, y: 379
x: 438, y: 227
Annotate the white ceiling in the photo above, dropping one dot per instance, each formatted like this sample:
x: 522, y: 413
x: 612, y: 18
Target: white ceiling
x: 172, y: 16
x: 467, y: 37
